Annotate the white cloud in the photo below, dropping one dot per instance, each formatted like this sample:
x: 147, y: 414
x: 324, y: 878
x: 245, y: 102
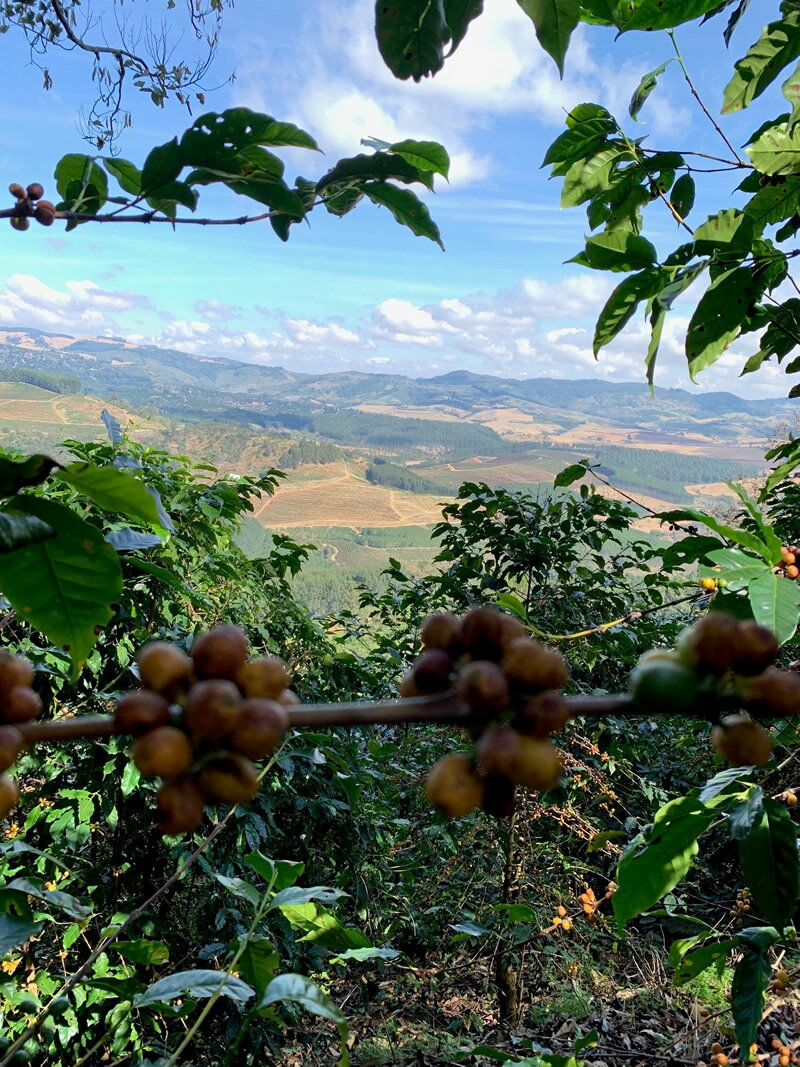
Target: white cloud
x: 81, y: 306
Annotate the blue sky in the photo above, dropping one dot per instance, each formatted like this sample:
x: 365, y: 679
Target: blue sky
x: 361, y: 293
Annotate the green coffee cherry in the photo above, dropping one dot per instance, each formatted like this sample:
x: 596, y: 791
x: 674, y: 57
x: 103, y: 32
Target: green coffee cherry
x: 662, y: 685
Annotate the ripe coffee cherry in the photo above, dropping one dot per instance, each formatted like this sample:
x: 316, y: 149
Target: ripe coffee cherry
x: 16, y: 190
x: 12, y: 745
x: 35, y: 191
x: 228, y: 778
x: 527, y: 761
x: 454, y: 787
x: 774, y: 692
x: 180, y: 806
x: 221, y: 653
x: 756, y: 648
x: 14, y: 671
x: 482, y: 633
x: 510, y: 630
x: 543, y: 715
x: 21, y: 224
x: 499, y: 796
x: 710, y: 642
x: 532, y: 665
x: 432, y: 671
x: 9, y: 795
x: 792, y: 571
x: 484, y: 687
x: 408, y: 686
x: 663, y: 685
x: 165, y: 752
x: 442, y: 630
x: 265, y: 677
x: 20, y: 705
x: 212, y: 709
x: 708, y: 583
x: 288, y: 698
x: 45, y: 213
x: 164, y: 667
x: 261, y: 726
x: 140, y: 711
x: 742, y: 742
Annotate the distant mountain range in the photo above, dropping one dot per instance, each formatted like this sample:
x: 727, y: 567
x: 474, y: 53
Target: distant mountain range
x: 187, y: 386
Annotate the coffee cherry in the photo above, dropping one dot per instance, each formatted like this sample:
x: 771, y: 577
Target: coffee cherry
x: 140, y: 711
x: 20, y: 705
x: 510, y: 629
x: 756, y: 648
x: 441, y: 630
x: 710, y: 642
x: 432, y: 671
x: 483, y: 687
x: 21, y: 224
x: 212, y: 709
x: 526, y: 761
x: 453, y: 786
x: 662, y: 686
x: 482, y: 633
x: 228, y: 778
x: 543, y: 715
x: 499, y: 796
x: 12, y: 745
x: 17, y: 191
x: 221, y: 653
x: 45, y: 213
x: 260, y: 728
x: 265, y: 677
x: 14, y: 671
x: 180, y: 806
x: 165, y: 752
x: 708, y: 584
x: 792, y: 571
x: 35, y: 191
x: 774, y: 692
x: 288, y: 698
x: 164, y: 667
x: 742, y: 742
x: 408, y: 686
x: 9, y: 795
x: 532, y: 665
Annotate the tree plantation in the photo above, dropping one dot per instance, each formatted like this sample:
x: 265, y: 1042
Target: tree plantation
x: 535, y: 803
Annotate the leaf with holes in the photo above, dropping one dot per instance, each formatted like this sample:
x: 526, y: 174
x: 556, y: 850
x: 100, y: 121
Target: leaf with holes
x: 658, y: 14
x: 777, y: 150
x: 65, y: 586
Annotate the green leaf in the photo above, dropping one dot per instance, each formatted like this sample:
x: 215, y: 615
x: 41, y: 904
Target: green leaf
x: 163, y: 165
x: 198, y: 985
x: 377, y: 167
x: 743, y: 816
x: 658, y: 14
x: 470, y: 928
x: 738, y: 569
x: 775, y: 602
x: 239, y: 888
x: 113, y: 490
x: 298, y: 895
x: 554, y: 21
x: 302, y: 991
x: 321, y: 927
x: 729, y: 230
x: 216, y: 140
x: 682, y: 278
x: 407, y: 209
x: 15, y: 931
x: 128, y: 176
x: 777, y: 46
x: 16, y: 531
x: 17, y: 474
x: 74, y: 173
x: 777, y: 150
x: 682, y: 195
x: 748, y: 995
x: 273, y: 192
x: 718, y: 318
x: 616, y: 250
x: 658, y: 317
x: 694, y: 963
x: 280, y: 874
x: 587, y: 178
x: 731, y: 533
x: 259, y: 963
x: 65, y: 586
x: 411, y: 36
x: 791, y: 90
x: 768, y: 855
x: 770, y: 538
x: 458, y: 15
x: 724, y: 780
x: 580, y: 141
x: 130, y: 778
x: 658, y: 858
x: 644, y: 89
x: 773, y: 203
x: 569, y: 475
x: 363, y: 954
x: 424, y: 155
x: 165, y: 197
x: 151, y: 953
x: 53, y: 898
x: 621, y: 305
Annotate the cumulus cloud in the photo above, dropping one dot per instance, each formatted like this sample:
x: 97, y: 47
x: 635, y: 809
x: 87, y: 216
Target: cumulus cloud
x: 81, y: 306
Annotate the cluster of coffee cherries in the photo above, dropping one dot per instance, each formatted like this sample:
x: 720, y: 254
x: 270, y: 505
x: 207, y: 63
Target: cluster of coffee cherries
x: 741, y: 906
x: 721, y: 662
x: 30, y: 205
x: 788, y: 563
x: 510, y: 684
x: 200, y: 720
x: 18, y: 704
